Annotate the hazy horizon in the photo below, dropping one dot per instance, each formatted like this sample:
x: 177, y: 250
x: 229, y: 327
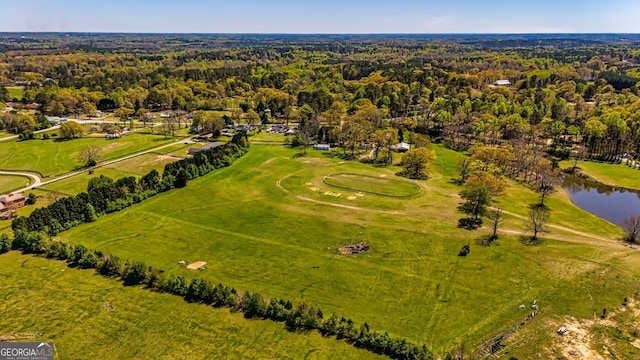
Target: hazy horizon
x: 329, y: 17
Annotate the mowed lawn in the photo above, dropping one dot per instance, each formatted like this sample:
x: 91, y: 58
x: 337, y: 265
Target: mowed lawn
x: 91, y: 317
x: 53, y: 157
x: 269, y: 224
x: 16, y: 92
x: 610, y: 174
x: 8, y: 182
x: 372, y: 184
x: 137, y: 166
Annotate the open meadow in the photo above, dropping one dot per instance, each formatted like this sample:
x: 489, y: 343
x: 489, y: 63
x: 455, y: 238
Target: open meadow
x: 9, y: 182
x: 269, y: 223
x: 89, y: 316
x: 53, y: 156
x: 16, y: 92
x: 137, y: 166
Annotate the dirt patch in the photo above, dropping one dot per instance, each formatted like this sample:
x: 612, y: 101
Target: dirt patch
x: 108, y: 307
x: 353, y: 249
x: 268, y: 161
x: 198, y: 265
x: 347, y: 206
x: 331, y: 193
x: 577, y: 342
x: 19, y: 336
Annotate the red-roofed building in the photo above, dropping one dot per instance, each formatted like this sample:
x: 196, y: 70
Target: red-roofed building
x: 12, y: 201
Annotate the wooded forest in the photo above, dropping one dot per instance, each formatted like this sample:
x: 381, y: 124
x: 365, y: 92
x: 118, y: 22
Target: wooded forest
x: 566, y: 94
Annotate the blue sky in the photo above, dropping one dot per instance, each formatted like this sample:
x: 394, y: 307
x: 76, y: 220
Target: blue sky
x: 321, y: 16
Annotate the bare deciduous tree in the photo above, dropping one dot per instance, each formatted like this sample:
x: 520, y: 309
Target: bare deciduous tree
x: 631, y: 226
x: 546, y: 178
x: 496, y: 218
x: 464, y: 167
x: 89, y: 155
x: 538, y: 216
x: 169, y: 126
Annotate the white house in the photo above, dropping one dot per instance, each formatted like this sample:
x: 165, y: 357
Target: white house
x: 502, y: 83
x: 403, y: 147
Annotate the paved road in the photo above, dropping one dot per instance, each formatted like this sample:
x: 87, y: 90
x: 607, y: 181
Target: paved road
x: 35, y: 132
x: 36, y: 179
x: 38, y: 182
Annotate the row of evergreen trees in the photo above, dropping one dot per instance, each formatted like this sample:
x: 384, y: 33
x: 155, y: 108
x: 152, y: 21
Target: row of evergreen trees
x: 104, y: 196
x: 32, y: 235
x: 299, y: 317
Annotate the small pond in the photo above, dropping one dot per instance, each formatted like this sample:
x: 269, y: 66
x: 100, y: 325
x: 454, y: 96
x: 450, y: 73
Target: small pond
x: 608, y: 202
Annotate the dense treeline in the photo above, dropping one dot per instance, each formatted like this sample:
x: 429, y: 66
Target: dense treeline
x: 574, y: 96
x: 298, y: 317
x: 104, y: 196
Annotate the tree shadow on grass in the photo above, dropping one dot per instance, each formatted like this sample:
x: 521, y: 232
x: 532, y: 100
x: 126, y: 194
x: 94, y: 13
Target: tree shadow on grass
x: 469, y: 223
x: 530, y: 241
x: 487, y: 240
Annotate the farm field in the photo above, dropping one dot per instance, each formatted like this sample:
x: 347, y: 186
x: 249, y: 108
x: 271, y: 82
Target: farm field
x: 269, y: 224
x: 137, y: 166
x: 610, y: 174
x: 8, y: 182
x: 15, y: 92
x: 88, y: 316
x: 54, y: 157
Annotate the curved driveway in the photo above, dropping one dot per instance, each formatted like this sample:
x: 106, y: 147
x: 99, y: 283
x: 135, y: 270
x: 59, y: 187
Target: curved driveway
x: 39, y: 182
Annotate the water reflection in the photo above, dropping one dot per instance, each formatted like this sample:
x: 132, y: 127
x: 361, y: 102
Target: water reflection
x: 612, y: 203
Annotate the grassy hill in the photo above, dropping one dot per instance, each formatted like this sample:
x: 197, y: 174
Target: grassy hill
x: 53, y: 157
x: 270, y: 224
x: 88, y: 316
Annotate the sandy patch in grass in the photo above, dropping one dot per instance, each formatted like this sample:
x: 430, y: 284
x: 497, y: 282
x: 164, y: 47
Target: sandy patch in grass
x: 196, y: 265
x: 331, y: 193
x: 576, y: 344
x: 314, y: 189
x: 347, y: 206
x: 352, y: 197
x: 19, y: 336
x: 579, y: 343
x: 268, y: 161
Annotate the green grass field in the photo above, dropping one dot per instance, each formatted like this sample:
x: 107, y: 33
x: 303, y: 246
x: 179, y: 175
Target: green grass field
x: 53, y: 157
x: 8, y: 183
x: 372, y: 184
x: 15, y: 92
x: 91, y: 317
x: 137, y: 166
x: 610, y: 174
x: 261, y: 226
